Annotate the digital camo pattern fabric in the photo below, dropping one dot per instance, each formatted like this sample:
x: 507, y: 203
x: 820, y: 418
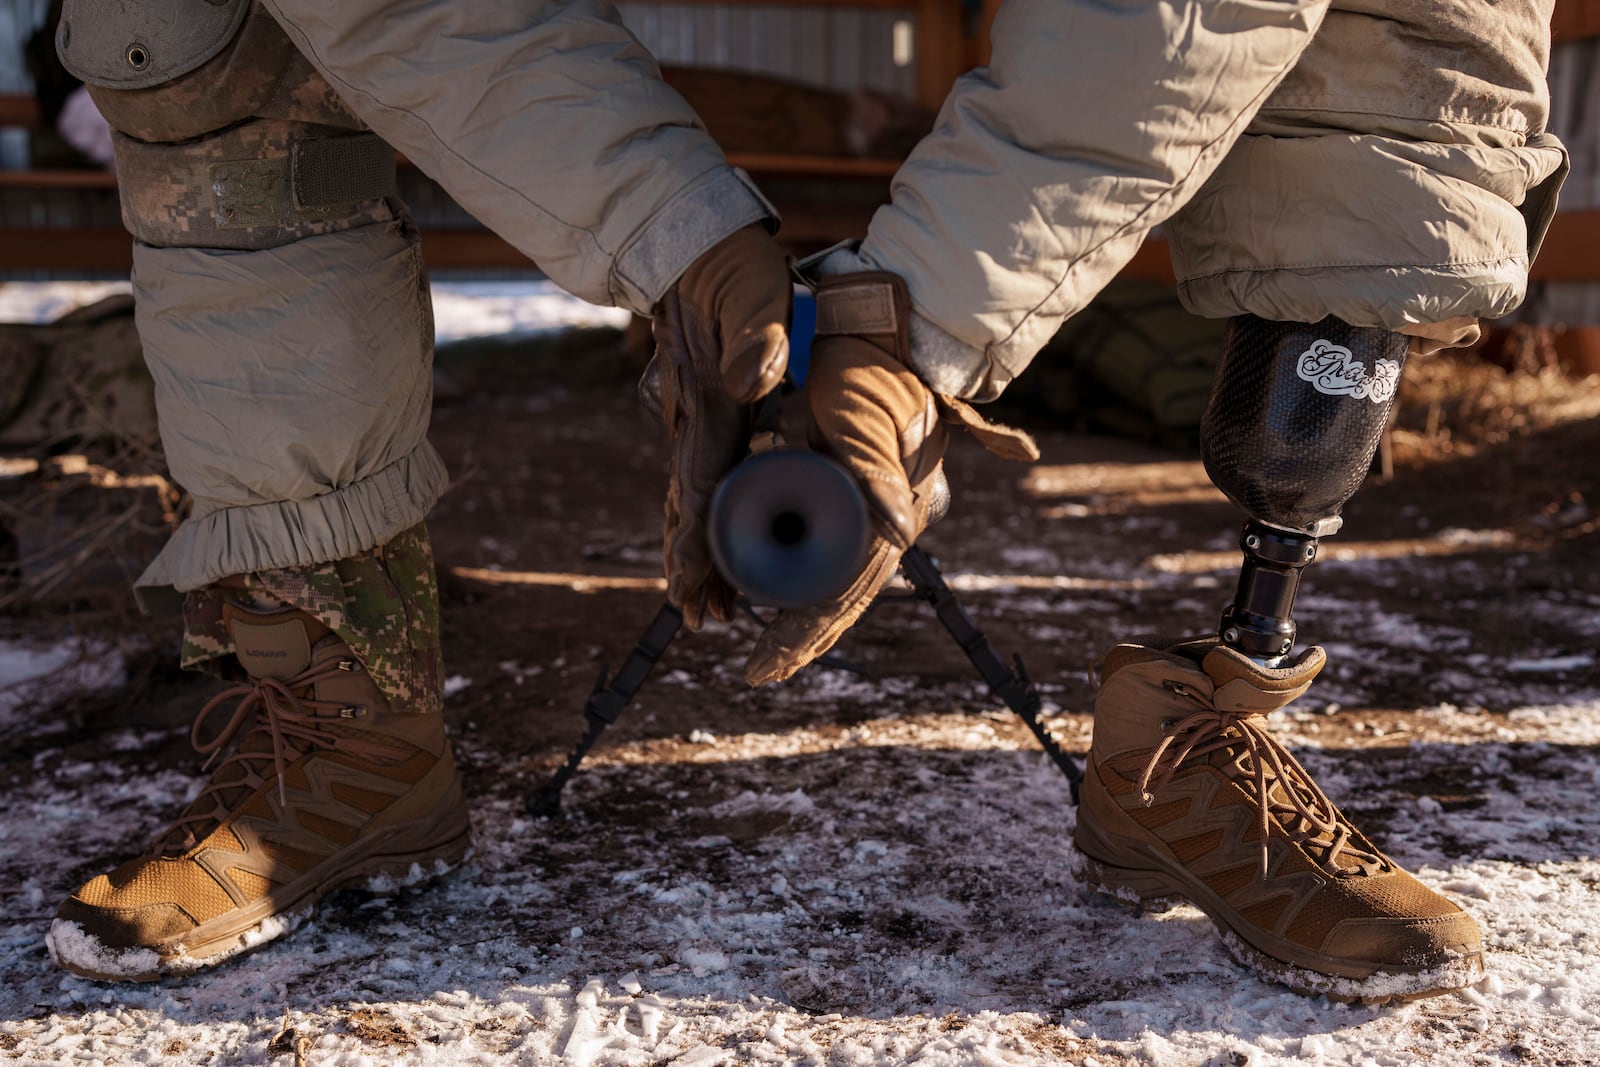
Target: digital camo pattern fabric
x: 232, y: 190
x: 383, y: 602
x: 207, y: 160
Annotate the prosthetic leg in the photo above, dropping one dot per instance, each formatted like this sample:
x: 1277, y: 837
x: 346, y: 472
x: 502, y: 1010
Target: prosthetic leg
x: 1187, y: 793
x: 1295, y: 417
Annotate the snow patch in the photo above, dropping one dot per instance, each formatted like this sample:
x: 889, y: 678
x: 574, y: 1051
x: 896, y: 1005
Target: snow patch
x: 793, y: 804
x: 1551, y: 664
x: 39, y: 302
x: 34, y: 674
x: 414, y: 875
x: 703, y: 961
x: 515, y: 308
x: 76, y: 949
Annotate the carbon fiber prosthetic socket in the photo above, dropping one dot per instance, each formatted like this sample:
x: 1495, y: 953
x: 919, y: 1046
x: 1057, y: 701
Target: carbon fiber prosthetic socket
x: 1295, y: 416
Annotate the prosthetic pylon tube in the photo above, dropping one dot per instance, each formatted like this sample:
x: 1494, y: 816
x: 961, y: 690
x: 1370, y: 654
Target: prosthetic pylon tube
x: 1258, y: 621
x: 1294, y: 419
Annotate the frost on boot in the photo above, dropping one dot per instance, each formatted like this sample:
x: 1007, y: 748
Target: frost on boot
x: 328, y: 786
x: 1188, y: 795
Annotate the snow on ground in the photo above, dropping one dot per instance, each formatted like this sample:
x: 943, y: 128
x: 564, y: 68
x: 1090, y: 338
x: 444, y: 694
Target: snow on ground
x: 35, y: 674
x: 460, y: 309
x: 898, y: 891
x: 895, y: 892
x: 477, y: 309
x: 47, y: 301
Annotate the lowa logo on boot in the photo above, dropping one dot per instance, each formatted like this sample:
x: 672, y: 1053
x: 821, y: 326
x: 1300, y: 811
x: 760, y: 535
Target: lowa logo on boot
x: 1333, y: 370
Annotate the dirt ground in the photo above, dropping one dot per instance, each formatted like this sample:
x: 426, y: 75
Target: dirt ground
x: 1468, y: 581
x: 1497, y: 502
x: 548, y: 554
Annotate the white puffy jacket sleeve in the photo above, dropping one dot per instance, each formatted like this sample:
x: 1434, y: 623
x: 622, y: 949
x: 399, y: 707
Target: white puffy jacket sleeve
x: 1384, y: 161
x: 547, y: 121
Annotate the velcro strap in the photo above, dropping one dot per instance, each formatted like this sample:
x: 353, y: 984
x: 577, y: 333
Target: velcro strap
x: 859, y: 307
x: 314, y: 178
x: 340, y: 170
x: 257, y: 185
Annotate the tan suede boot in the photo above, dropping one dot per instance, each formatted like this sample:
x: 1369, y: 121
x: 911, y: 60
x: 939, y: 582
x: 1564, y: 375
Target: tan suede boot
x: 1188, y: 795
x: 330, y: 787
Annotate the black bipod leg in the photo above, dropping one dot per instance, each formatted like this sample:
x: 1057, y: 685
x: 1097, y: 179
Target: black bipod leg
x: 1013, y: 686
x: 607, y: 701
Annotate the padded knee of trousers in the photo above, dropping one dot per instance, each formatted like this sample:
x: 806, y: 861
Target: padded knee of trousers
x: 170, y: 79
x: 1296, y: 414
x: 226, y: 136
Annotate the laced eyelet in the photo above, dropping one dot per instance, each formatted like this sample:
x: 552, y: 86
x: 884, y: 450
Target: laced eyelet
x: 354, y: 711
x: 349, y: 665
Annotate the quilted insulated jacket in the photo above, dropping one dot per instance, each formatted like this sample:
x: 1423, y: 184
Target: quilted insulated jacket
x: 1384, y: 162
x: 281, y: 299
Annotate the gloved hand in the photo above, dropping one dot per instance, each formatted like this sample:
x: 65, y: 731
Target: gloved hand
x: 870, y: 412
x: 722, y: 344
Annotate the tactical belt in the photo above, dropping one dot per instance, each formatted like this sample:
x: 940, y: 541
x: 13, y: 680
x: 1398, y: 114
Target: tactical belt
x: 252, y: 187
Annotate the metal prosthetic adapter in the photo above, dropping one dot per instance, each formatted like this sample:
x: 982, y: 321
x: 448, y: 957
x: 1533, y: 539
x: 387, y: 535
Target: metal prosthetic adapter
x: 1294, y: 419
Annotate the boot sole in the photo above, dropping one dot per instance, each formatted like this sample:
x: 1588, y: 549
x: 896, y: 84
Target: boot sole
x: 1306, y: 972
x: 398, y: 857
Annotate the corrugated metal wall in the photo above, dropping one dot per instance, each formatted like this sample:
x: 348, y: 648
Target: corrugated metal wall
x: 18, y: 21
x: 840, y: 48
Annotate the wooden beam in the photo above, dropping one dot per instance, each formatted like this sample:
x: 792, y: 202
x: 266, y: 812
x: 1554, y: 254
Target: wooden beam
x: 940, y: 50
x: 1575, y: 20
x: 814, y: 166
x: 81, y: 178
x: 470, y: 249
x: 1152, y: 263
x: 100, y: 249
x: 1571, y: 250
x: 18, y: 109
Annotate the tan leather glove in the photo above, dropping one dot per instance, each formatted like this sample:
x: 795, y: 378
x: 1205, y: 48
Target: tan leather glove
x: 870, y: 412
x: 722, y: 344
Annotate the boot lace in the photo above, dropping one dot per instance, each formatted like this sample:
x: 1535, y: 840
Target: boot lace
x: 294, y: 722
x: 1299, y: 805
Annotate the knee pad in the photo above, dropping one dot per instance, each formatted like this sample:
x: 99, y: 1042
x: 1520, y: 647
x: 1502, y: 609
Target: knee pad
x: 1296, y: 414
x: 225, y: 135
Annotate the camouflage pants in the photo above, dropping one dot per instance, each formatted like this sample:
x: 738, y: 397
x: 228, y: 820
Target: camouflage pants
x: 384, y: 603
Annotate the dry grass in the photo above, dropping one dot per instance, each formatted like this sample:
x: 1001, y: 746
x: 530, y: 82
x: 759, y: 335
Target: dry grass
x: 1457, y: 403
x: 76, y: 528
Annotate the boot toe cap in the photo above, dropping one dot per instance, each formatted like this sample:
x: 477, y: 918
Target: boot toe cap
x: 113, y: 944
x: 144, y: 926
x: 1409, y: 945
